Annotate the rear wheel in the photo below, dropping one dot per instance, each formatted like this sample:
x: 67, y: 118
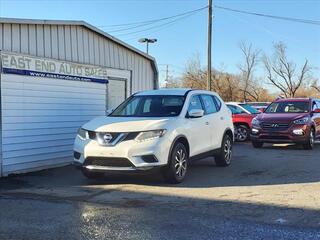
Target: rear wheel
x: 91, y: 175
x: 257, y: 144
x: 177, y: 167
x: 223, y: 159
x: 242, y: 133
x: 310, y: 142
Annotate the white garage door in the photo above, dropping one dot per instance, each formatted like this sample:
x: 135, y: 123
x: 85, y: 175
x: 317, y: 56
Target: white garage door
x: 116, y: 92
x: 40, y: 118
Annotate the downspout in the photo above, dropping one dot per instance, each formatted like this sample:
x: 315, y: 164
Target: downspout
x: 155, y: 75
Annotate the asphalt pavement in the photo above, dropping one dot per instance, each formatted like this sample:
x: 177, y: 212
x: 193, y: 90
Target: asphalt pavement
x: 269, y: 193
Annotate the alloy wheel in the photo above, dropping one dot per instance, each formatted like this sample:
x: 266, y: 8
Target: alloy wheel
x: 242, y: 134
x: 180, y: 163
x: 311, y: 138
x: 227, y: 151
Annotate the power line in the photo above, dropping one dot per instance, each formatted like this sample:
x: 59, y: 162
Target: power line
x: 149, y: 32
x: 154, y: 20
x: 151, y: 23
x: 157, y: 26
x: 306, y: 21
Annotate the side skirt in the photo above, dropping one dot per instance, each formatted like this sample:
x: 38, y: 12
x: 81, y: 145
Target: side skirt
x: 205, y: 154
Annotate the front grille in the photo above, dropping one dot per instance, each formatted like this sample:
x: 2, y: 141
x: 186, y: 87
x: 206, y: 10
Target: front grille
x: 128, y: 136
x: 276, y: 137
x: 274, y: 126
x: 108, y: 162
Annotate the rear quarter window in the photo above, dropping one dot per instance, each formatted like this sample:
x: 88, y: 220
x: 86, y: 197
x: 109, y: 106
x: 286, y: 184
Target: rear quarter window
x: 218, y: 103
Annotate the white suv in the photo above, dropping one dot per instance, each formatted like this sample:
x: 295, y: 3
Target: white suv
x: 159, y: 128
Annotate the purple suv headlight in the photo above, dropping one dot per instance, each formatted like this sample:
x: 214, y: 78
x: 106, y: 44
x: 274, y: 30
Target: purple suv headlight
x: 301, y: 121
x: 255, y: 122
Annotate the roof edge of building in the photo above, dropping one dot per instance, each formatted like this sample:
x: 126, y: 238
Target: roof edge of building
x: 89, y: 26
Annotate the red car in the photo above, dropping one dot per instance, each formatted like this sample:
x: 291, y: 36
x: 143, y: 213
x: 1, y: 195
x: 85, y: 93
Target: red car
x: 295, y: 120
x: 242, y: 115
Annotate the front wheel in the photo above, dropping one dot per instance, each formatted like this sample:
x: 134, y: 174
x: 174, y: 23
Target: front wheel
x: 310, y: 142
x: 177, y: 167
x: 223, y: 159
x: 242, y: 133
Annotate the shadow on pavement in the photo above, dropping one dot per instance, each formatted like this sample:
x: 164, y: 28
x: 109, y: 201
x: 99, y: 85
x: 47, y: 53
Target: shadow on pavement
x: 251, y: 167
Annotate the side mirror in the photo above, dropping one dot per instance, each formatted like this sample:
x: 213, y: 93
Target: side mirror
x: 195, y: 113
x: 316, y: 110
x: 109, y: 111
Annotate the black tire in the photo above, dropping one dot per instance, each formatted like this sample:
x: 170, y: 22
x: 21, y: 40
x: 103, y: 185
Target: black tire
x: 242, y: 133
x: 91, y: 175
x: 310, y: 142
x: 257, y: 144
x: 177, y: 166
x: 223, y: 158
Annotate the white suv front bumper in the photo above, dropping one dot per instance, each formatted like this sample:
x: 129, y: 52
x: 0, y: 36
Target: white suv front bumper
x: 130, y: 150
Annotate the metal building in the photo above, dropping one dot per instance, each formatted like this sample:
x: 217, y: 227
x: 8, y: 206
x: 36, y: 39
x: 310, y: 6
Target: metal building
x: 56, y: 75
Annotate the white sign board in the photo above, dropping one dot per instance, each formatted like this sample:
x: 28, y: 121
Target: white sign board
x: 48, y: 68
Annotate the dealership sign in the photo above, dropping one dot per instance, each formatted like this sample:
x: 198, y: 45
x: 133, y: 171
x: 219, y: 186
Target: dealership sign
x: 48, y: 68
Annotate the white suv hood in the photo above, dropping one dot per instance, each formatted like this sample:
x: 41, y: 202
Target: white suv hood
x: 125, y: 124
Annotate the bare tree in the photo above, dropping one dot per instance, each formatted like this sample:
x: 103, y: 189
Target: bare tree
x: 316, y: 86
x: 194, y: 76
x: 224, y: 83
x: 283, y: 73
x: 247, y: 68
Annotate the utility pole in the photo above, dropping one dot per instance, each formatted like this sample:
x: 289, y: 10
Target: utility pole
x: 209, y: 44
x: 167, y: 73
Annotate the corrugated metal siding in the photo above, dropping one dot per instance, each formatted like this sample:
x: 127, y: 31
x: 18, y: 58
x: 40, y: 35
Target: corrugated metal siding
x: 40, y: 118
x: 76, y: 44
x: 0, y: 115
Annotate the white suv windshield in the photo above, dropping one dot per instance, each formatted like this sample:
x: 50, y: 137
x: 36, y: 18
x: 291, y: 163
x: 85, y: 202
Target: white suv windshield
x: 150, y: 106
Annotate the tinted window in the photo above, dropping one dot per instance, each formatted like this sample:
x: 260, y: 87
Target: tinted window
x: 314, y: 106
x: 209, y: 104
x: 195, y: 103
x: 249, y: 108
x: 235, y: 109
x: 288, y: 107
x: 150, y: 106
x: 218, y: 103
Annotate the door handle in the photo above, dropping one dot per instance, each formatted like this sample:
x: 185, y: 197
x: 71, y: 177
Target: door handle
x: 221, y: 118
x: 207, y: 123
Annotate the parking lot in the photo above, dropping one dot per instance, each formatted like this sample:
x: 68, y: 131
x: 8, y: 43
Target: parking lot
x: 269, y: 193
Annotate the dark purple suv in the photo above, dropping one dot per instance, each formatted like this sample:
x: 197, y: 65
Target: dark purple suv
x: 295, y: 120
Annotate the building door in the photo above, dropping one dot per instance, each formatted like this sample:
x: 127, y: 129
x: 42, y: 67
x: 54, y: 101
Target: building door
x: 116, y: 92
x: 40, y: 118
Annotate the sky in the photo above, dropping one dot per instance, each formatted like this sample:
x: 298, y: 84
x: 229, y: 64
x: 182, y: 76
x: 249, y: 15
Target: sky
x: 180, y: 41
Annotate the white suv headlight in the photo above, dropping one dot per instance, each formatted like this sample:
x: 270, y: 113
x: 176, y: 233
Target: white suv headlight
x: 301, y: 121
x: 148, y: 135
x: 83, y: 134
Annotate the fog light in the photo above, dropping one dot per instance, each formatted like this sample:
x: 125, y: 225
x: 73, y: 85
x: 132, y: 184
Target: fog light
x: 255, y: 131
x: 298, y: 132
